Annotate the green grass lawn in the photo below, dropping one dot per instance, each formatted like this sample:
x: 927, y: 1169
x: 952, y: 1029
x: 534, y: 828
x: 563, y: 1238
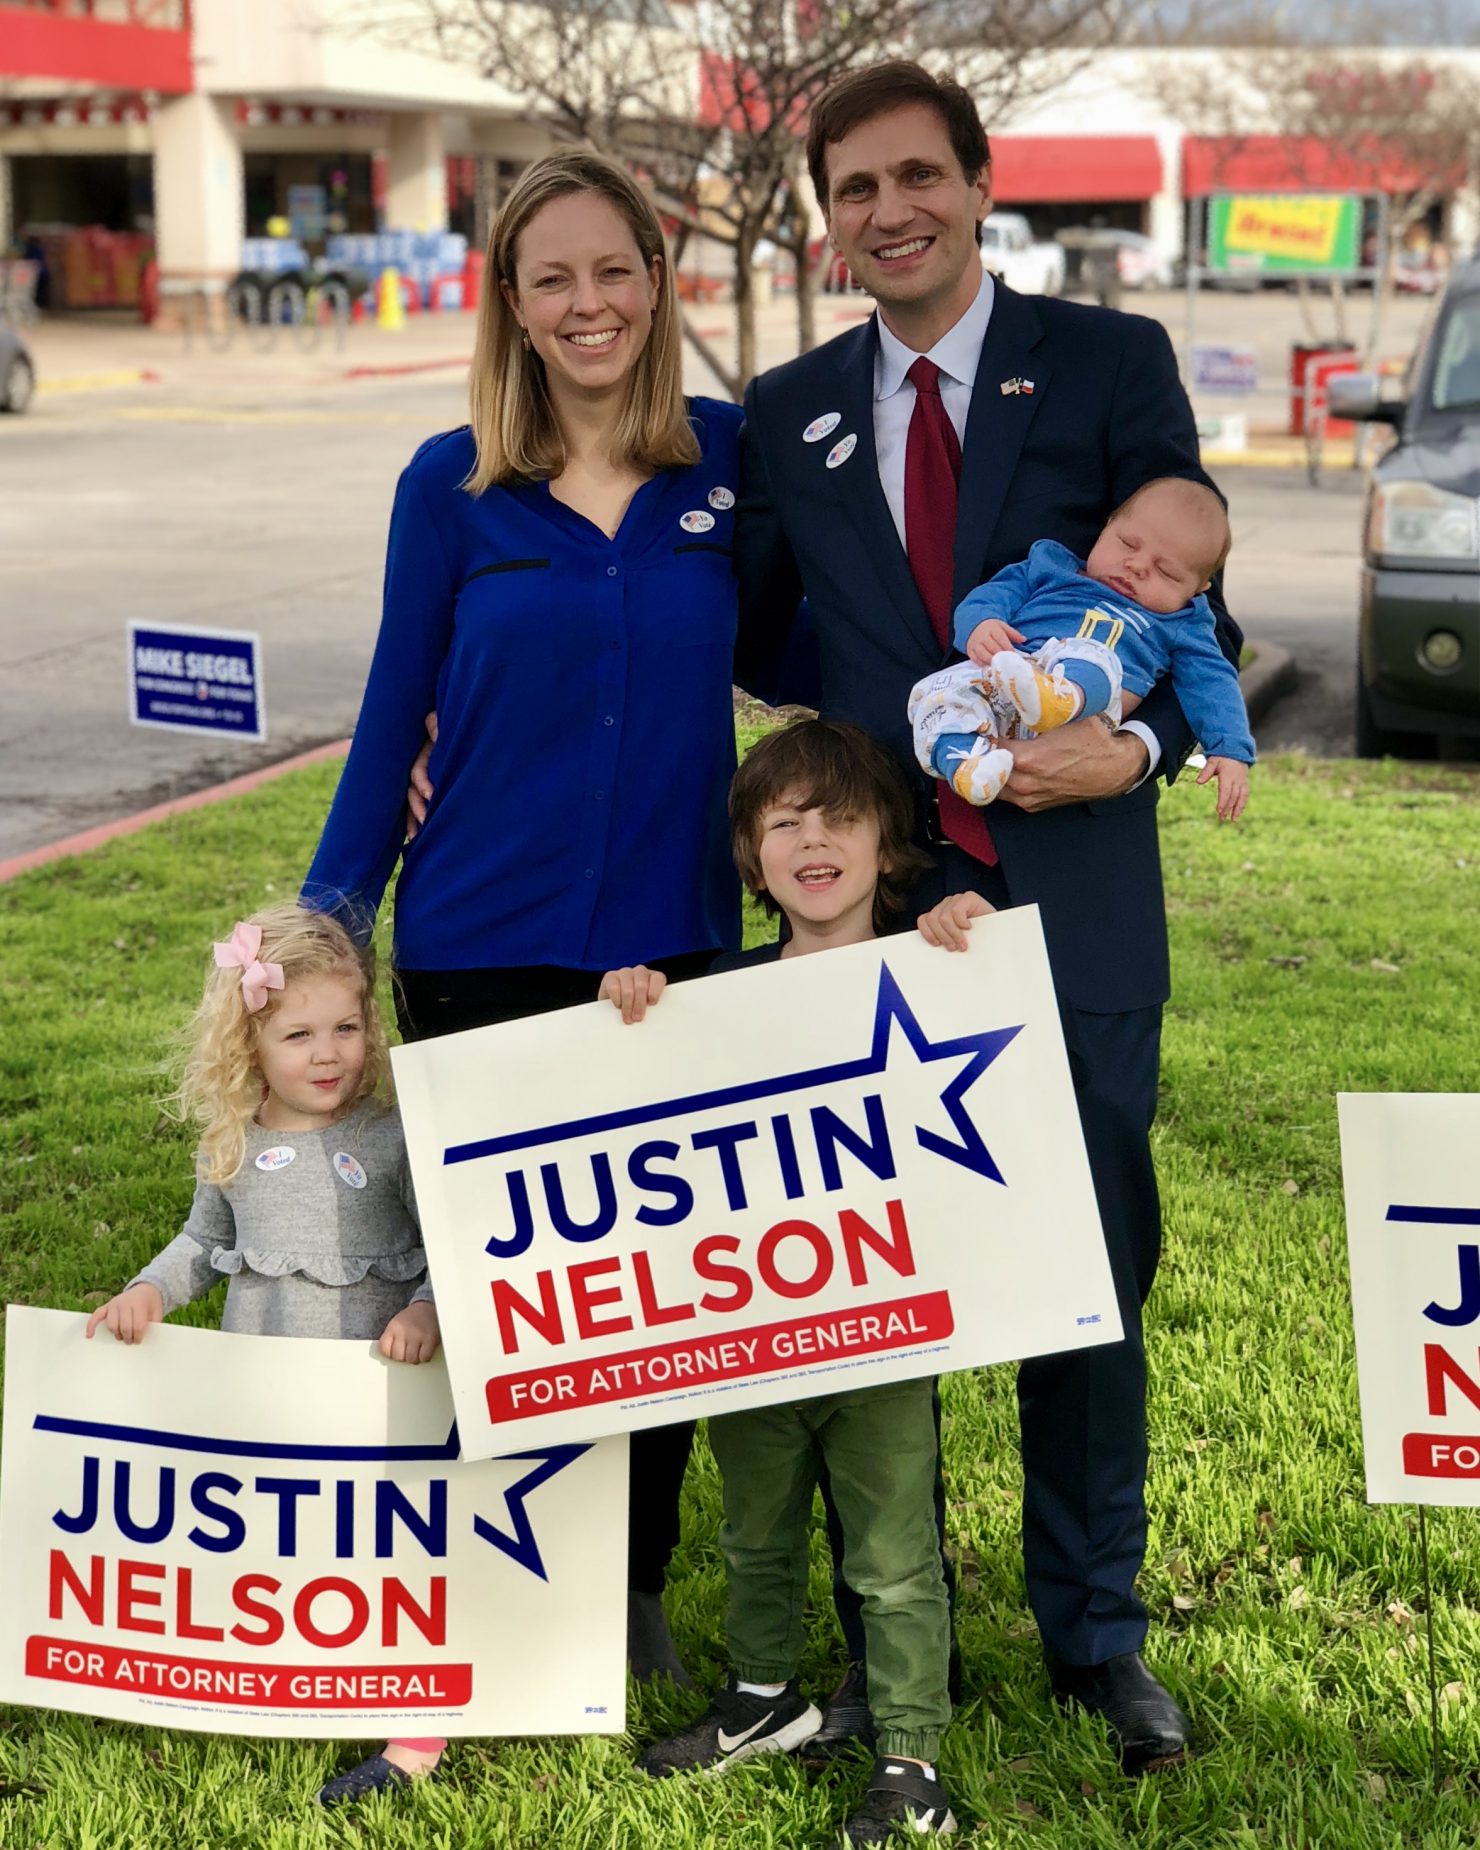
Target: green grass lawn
x: 1327, y: 942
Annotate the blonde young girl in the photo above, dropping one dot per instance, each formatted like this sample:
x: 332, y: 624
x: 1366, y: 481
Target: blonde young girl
x: 303, y: 1193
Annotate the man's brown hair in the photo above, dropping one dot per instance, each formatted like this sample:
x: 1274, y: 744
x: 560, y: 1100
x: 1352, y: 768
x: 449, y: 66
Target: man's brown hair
x: 837, y: 768
x: 895, y: 83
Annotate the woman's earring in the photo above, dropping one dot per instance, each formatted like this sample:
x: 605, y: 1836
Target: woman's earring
x: 524, y: 336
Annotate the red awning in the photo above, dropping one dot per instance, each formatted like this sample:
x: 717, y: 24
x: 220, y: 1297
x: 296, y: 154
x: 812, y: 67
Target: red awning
x: 1078, y: 169
x: 126, y: 54
x: 1300, y: 163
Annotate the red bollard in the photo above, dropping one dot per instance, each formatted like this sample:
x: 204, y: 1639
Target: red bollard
x: 472, y: 278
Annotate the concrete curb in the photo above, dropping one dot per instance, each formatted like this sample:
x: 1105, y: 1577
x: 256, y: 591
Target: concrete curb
x: 406, y: 366
x: 1268, y: 678
x: 97, y: 382
x: 198, y: 799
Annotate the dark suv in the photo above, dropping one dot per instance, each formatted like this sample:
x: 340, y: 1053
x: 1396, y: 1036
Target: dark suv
x: 1418, y: 661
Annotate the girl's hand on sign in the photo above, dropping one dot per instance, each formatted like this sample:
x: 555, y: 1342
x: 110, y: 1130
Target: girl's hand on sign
x: 633, y: 991
x: 947, y: 924
x: 130, y: 1313
x: 412, y: 1335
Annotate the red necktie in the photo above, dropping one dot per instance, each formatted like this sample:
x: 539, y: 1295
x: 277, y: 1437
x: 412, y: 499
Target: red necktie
x: 932, y: 472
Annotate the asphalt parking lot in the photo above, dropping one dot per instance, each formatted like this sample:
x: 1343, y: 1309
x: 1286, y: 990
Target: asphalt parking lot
x: 251, y: 491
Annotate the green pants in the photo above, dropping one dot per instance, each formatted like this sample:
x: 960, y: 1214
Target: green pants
x: 878, y: 1444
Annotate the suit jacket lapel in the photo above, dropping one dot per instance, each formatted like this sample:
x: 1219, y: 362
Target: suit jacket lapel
x: 996, y: 427
x: 862, y: 493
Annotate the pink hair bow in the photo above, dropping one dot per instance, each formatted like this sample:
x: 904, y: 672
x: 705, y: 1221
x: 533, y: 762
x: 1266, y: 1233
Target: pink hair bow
x: 240, y: 952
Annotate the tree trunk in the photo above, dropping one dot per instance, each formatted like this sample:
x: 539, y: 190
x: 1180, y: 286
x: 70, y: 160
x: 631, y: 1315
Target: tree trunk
x: 745, y: 245
x: 734, y: 387
x: 806, y: 300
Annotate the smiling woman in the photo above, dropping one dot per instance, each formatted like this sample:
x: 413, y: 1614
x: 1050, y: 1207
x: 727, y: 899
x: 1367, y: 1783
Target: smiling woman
x: 559, y: 589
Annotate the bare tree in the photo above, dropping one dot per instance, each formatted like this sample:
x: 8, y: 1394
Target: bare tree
x: 707, y: 100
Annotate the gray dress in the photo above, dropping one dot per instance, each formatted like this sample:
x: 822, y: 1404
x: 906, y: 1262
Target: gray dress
x: 317, y: 1232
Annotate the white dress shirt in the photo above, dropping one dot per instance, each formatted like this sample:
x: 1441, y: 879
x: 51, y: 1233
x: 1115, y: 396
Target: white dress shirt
x: 957, y: 353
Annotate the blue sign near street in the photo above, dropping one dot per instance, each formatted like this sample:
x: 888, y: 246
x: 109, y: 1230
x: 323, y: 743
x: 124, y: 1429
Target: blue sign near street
x: 1225, y: 369
x: 196, y: 680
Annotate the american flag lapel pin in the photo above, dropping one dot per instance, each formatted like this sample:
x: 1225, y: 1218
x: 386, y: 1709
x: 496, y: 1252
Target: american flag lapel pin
x: 1010, y: 387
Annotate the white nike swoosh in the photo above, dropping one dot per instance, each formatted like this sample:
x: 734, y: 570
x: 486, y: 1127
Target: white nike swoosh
x: 729, y: 1742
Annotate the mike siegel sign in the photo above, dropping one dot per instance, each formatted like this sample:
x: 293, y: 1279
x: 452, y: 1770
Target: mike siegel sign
x: 253, y: 1535
x: 824, y: 1173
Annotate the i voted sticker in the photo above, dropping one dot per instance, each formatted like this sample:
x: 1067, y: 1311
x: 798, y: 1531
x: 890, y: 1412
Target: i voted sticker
x: 696, y: 521
x: 840, y: 452
x: 822, y: 427
x: 722, y: 498
x: 278, y: 1157
x: 348, y: 1170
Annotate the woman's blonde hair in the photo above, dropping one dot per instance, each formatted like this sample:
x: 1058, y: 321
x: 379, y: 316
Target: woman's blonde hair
x: 514, y: 425
x: 220, y: 1085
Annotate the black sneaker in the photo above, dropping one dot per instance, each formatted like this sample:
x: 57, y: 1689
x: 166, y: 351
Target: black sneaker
x: 846, y: 1721
x: 901, y: 1797
x: 737, y: 1727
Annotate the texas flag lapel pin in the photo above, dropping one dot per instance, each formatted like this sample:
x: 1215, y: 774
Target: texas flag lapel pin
x: 1010, y: 388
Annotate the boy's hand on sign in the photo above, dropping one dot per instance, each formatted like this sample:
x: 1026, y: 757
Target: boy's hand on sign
x: 1233, y: 785
x: 633, y: 991
x: 419, y: 791
x: 991, y: 638
x: 129, y: 1314
x: 947, y: 924
x: 412, y: 1335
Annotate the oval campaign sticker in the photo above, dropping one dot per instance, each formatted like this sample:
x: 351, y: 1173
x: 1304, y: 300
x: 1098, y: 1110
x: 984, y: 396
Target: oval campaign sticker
x: 822, y: 427
x: 348, y: 1170
x: 842, y: 450
x: 722, y: 498
x: 696, y: 521
x: 278, y: 1157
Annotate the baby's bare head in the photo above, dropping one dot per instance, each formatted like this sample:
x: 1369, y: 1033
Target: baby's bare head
x: 1163, y: 544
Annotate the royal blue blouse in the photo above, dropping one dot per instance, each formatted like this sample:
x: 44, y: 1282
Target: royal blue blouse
x: 585, y: 735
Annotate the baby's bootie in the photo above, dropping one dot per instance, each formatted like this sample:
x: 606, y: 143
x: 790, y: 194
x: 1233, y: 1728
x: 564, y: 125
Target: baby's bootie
x: 977, y: 776
x: 1041, y: 701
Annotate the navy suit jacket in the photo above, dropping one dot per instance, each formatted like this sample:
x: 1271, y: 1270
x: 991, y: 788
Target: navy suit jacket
x: 1107, y: 413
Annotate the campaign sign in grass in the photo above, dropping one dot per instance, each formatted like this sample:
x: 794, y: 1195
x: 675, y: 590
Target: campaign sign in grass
x: 828, y: 1172
x: 1284, y: 234
x: 249, y: 1535
x: 1411, y: 1167
x: 187, y: 680
x: 1225, y: 369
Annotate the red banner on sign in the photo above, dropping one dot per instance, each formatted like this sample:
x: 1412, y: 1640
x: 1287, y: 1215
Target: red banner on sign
x: 902, y: 1323
x: 1439, y: 1454
x: 258, y: 1686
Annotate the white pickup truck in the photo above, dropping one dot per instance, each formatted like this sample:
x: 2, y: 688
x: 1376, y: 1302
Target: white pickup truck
x: 1010, y: 251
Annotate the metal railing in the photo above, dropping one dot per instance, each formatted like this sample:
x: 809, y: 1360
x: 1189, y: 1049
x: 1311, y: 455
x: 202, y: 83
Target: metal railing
x: 260, y: 313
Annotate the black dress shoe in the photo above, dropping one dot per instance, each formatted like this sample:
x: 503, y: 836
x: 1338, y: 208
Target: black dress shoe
x: 846, y: 1722
x: 1150, y: 1729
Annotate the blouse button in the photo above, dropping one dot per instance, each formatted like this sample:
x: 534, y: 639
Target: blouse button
x: 609, y: 721
x: 611, y: 571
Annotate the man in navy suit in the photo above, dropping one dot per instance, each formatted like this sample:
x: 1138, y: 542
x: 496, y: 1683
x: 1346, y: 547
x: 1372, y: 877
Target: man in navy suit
x: 881, y: 490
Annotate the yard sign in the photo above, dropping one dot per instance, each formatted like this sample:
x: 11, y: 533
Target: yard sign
x: 825, y: 1173
x: 257, y: 1535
